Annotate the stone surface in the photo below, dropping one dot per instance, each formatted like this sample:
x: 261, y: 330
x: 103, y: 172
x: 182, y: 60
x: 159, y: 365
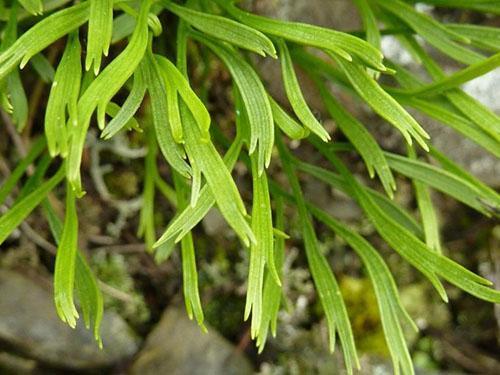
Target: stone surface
x: 12, y: 364
x: 177, y: 346
x: 30, y: 327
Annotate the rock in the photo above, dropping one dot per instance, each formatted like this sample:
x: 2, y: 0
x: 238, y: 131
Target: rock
x: 214, y: 223
x: 177, y: 346
x: 30, y: 326
x: 12, y: 364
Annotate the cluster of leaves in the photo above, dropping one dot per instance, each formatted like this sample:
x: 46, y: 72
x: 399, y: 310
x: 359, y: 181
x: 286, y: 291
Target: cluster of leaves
x: 179, y: 126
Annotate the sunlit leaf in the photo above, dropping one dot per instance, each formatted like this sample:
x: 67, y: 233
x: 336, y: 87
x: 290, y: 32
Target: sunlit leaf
x: 271, y: 296
x: 460, y: 77
x: 192, y: 215
x: 181, y: 86
x: 218, y: 178
x: 427, y: 212
x: 172, y: 151
x: 342, y: 44
x: 295, y: 96
x: 41, y: 35
x: 361, y: 139
x: 286, y: 123
x: 101, y: 90
x: 89, y: 295
x: 64, y: 271
x: 254, y: 97
x: 225, y: 29
x: 99, y: 32
x: 434, y: 32
x: 262, y: 251
x: 33, y: 6
x: 444, y: 181
x: 129, y: 107
x: 63, y: 97
x: 382, y: 103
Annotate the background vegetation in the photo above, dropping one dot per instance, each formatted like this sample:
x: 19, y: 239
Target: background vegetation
x: 184, y: 123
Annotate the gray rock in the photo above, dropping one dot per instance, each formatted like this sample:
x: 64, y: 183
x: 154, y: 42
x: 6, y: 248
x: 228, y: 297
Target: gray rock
x: 30, y: 326
x: 177, y: 346
x: 12, y: 364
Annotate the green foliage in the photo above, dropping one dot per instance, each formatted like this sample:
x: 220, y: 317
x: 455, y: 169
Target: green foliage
x: 178, y: 127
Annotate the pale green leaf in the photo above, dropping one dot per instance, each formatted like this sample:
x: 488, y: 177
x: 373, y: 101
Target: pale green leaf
x: 126, y: 113
x: 286, y: 123
x: 450, y: 117
x: 101, y: 91
x: 428, y: 215
x: 172, y: 151
x: 485, y: 6
x: 369, y: 22
x: 271, y: 296
x: 64, y: 270
x: 146, y: 227
x: 360, y: 138
x: 459, y: 78
x: 471, y: 108
x: 89, y: 294
x: 427, y: 261
x: 295, y: 96
x: 99, y: 34
x: 382, y: 103
x: 192, y: 215
x: 189, y: 270
x: 340, y: 43
x: 486, y: 37
x: 225, y: 29
x: 218, y: 178
x: 457, y: 170
x: 444, y: 181
x: 41, y: 35
x: 43, y: 67
x: 182, y: 87
x: 18, y: 102
x: 392, y: 209
x: 432, y: 31
x: 63, y: 97
x: 262, y: 251
x: 34, y: 7
x: 254, y: 97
